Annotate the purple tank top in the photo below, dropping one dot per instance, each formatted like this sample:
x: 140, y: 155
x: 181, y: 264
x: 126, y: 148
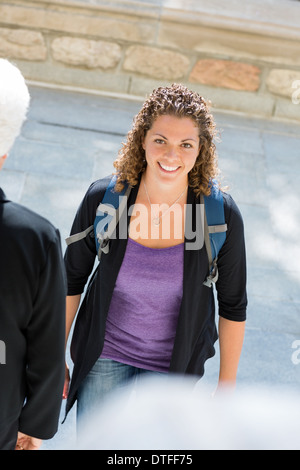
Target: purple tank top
x: 142, y: 319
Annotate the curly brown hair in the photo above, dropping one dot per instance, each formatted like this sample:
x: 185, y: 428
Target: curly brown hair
x: 179, y: 101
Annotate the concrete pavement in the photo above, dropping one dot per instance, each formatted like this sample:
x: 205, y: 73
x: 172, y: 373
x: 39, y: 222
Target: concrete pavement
x: 71, y: 139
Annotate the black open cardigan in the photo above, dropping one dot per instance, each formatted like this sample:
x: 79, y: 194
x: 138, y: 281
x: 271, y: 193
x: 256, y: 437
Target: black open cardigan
x: 196, y: 329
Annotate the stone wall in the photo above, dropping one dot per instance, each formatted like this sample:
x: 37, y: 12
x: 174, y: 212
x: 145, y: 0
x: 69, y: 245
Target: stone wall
x: 242, y: 59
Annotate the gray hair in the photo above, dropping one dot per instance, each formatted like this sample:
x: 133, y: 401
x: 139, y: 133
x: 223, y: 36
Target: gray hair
x: 14, y: 103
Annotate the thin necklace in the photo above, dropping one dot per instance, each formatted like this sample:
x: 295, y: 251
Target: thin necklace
x: 157, y: 220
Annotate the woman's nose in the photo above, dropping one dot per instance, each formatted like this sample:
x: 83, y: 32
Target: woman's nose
x: 171, y: 153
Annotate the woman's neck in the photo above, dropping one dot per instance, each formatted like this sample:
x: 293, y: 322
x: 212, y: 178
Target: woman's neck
x: 164, y: 192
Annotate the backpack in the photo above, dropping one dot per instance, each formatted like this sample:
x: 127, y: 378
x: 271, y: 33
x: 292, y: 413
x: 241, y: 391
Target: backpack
x: 114, y: 203
x: 214, y: 230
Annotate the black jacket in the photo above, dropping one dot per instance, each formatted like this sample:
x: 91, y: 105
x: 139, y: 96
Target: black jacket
x: 196, y: 330
x: 32, y: 321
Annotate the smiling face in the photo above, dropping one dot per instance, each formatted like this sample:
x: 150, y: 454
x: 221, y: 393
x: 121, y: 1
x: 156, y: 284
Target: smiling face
x: 171, y: 149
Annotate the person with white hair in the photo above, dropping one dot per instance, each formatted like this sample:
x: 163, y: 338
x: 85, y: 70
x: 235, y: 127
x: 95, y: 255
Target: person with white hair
x: 32, y: 299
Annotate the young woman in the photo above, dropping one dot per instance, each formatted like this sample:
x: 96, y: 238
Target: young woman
x: 146, y: 308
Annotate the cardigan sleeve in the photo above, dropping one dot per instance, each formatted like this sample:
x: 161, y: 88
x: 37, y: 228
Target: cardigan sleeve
x: 80, y: 256
x: 231, y: 284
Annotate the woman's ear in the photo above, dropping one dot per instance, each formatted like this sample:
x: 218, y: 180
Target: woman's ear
x: 143, y: 139
x: 199, y: 150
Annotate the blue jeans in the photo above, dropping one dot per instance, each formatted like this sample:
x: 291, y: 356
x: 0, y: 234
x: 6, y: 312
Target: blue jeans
x: 105, y: 377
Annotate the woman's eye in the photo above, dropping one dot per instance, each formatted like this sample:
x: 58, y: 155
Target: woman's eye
x: 159, y: 141
x: 186, y: 145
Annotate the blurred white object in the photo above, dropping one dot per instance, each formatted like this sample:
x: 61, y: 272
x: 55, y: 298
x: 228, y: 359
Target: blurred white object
x: 174, y: 414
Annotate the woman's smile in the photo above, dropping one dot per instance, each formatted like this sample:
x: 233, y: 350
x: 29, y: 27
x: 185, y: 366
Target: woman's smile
x: 168, y: 168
